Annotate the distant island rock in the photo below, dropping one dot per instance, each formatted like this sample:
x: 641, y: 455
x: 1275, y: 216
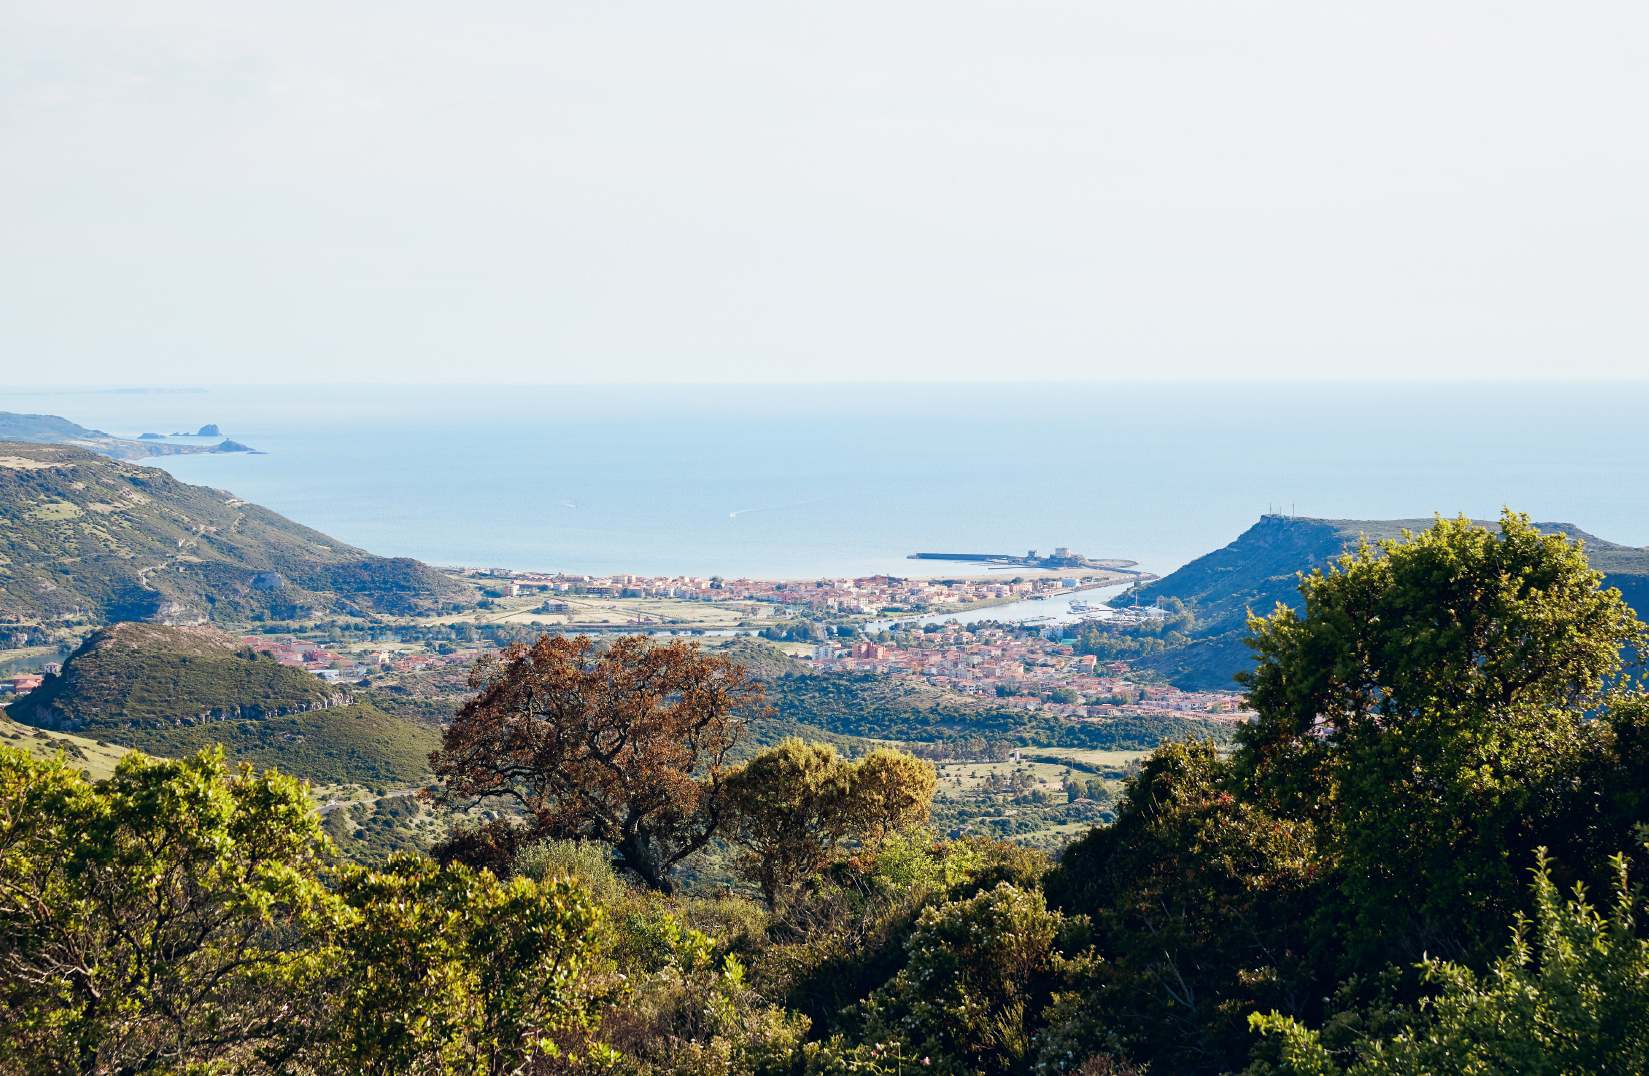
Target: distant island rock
x: 209, y: 431
x: 56, y: 430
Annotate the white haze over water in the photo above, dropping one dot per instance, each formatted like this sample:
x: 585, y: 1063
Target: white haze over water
x: 811, y: 480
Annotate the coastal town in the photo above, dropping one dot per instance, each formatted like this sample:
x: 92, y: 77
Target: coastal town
x: 1031, y: 673
x: 870, y: 595
x: 1013, y: 665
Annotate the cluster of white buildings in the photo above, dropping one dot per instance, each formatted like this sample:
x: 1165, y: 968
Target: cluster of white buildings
x: 866, y: 594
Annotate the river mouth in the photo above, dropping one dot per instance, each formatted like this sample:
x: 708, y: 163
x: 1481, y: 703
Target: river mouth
x: 1041, y: 611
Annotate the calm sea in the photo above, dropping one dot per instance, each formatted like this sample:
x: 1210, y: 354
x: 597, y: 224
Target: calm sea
x: 784, y: 480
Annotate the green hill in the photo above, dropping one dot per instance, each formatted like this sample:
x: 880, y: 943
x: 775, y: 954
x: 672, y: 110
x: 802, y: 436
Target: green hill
x: 1258, y: 570
x: 355, y: 744
x: 171, y: 691
x: 117, y: 541
x: 149, y: 675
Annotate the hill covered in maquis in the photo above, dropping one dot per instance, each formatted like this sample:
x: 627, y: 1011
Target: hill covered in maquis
x: 117, y: 541
x: 1260, y: 570
x: 170, y: 691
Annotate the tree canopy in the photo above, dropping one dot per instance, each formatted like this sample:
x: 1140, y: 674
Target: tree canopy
x: 1423, y: 710
x: 798, y: 801
x: 627, y: 744
x: 1444, y: 706
x: 182, y: 918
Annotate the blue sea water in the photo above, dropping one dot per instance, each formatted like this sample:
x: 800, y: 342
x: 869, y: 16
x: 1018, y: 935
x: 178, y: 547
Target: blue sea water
x: 830, y: 480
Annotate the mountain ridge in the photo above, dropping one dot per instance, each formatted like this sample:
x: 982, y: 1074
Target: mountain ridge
x: 1259, y: 570
x: 117, y: 541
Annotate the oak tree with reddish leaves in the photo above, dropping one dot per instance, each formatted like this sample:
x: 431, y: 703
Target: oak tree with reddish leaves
x: 626, y: 745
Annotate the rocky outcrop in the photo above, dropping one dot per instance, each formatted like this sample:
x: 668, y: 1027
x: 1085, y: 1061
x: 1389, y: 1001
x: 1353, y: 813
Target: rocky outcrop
x: 177, y: 615
x: 199, y: 640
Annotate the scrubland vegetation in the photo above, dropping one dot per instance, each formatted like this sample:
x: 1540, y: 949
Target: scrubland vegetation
x: 1417, y: 859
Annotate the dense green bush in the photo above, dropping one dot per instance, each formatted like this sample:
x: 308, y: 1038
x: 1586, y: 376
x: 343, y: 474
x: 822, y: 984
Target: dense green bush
x: 180, y: 918
x: 1574, y: 999
x: 170, y: 917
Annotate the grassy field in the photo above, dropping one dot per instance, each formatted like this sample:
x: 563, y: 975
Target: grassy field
x: 978, y: 798
x: 974, y: 774
x: 93, y: 757
x: 615, y: 612
x: 1099, y: 759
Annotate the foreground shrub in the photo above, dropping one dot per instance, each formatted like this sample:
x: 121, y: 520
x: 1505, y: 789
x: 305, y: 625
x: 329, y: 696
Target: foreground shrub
x: 176, y: 918
x: 168, y: 919
x: 979, y: 972
x: 1575, y: 1001
x: 447, y: 969
x: 699, y: 1016
x: 588, y: 864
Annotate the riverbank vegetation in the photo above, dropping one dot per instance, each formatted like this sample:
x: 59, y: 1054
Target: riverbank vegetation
x: 1419, y: 857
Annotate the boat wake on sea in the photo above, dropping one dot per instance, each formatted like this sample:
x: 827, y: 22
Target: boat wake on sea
x: 772, y: 507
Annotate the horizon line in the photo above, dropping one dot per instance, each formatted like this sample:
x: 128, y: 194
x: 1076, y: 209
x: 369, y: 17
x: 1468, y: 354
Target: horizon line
x: 178, y: 387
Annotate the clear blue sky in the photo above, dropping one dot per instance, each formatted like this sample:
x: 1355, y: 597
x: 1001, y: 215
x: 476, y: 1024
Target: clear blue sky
x: 216, y: 190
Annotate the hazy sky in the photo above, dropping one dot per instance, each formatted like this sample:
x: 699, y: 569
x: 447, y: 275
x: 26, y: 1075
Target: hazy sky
x: 618, y: 191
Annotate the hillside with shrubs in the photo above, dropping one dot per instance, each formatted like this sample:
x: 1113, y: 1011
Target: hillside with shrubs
x: 1421, y: 856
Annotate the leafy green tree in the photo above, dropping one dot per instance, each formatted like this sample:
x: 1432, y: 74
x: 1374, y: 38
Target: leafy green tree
x: 891, y: 791
x: 792, y: 806
x: 1575, y: 1000
x: 1425, y: 714
x: 796, y: 803
x: 169, y: 919
x: 978, y: 972
x: 1202, y: 907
